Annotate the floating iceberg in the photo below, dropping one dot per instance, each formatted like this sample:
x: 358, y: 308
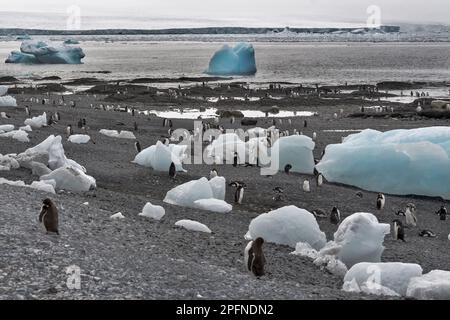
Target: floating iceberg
x: 159, y: 157
x: 401, y: 162
x: 37, y: 122
x: 287, y: 226
x: 115, y: 134
x: 192, y: 226
x: 153, y: 211
x: 359, y: 238
x: 237, y: 60
x: 39, y: 52
x: 6, y: 101
x: 434, y: 285
x: 392, y: 275
x: 296, y: 150
x: 79, y: 138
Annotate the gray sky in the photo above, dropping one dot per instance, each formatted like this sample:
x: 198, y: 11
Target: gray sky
x: 178, y: 13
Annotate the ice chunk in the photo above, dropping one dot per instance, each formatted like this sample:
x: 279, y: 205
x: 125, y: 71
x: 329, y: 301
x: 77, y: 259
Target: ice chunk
x: 218, y: 187
x: 39, y: 52
x: 392, y: 275
x: 401, y: 162
x: 79, y: 138
x: 288, y: 226
x: 192, y: 226
x: 331, y: 264
x: 71, y: 179
x: 186, y: 194
x: 115, y: 134
x: 225, y: 146
x: 153, y: 211
x: 3, y: 90
x: 37, y: 122
x: 6, y: 128
x: 45, y: 186
x: 359, y: 238
x: 214, y: 205
x: 18, y: 135
x: 26, y: 128
x: 117, y: 215
x: 296, y: 150
x: 434, y: 285
x: 159, y: 157
x: 8, y: 101
x: 237, y: 60
x: 304, y: 249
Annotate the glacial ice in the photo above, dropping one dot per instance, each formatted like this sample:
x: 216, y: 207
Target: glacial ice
x: 18, y: 135
x: 71, y: 179
x: 115, y: 134
x: 6, y: 101
x: 6, y: 128
x: 400, y: 162
x: 153, y: 211
x: 359, y: 238
x: 223, y: 148
x: 296, y: 150
x: 392, y: 275
x: 39, y: 52
x: 287, y: 226
x: 237, y: 60
x: 117, y: 215
x: 159, y: 157
x: 45, y: 186
x: 3, y: 90
x: 434, y: 285
x: 213, y: 205
x: 79, y: 138
x: 37, y: 122
x: 218, y: 187
x: 192, y: 225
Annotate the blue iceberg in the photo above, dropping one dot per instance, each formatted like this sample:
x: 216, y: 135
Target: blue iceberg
x: 400, y: 162
x: 239, y: 60
x: 33, y: 52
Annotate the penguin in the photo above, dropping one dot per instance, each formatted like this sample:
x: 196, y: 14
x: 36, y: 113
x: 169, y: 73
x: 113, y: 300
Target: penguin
x: 287, y: 168
x: 335, y: 216
x: 411, y: 219
x: 4, y: 115
x: 172, y: 171
x: 135, y: 126
x: 305, y: 123
x: 380, y: 201
x: 83, y: 122
x: 166, y: 141
x: 335, y: 115
x: 442, y: 212
x: 69, y: 130
x: 278, y: 194
x: 359, y: 194
x: 427, y: 233
x: 400, y: 213
x: 306, y: 186
x: 239, y: 193
x: 57, y: 116
x: 314, y: 136
x: 254, y: 257
x: 319, y: 179
x: 235, y: 159
x: 319, y: 214
x: 80, y: 124
x: 213, y: 173
x: 48, y: 216
x: 165, y: 122
x: 399, y: 231
x: 27, y: 111
x: 137, y: 145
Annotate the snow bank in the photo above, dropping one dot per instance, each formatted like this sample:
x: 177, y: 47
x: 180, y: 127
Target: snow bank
x: 39, y: 52
x: 192, y: 226
x: 71, y: 179
x: 401, y: 162
x: 79, y: 138
x: 159, y: 157
x: 115, y: 134
x: 37, y: 122
x: 288, y: 226
x: 214, y: 205
x: 153, y: 211
x: 237, y: 60
x: 392, y: 275
x: 359, y: 238
x: 296, y: 150
x: 434, y: 285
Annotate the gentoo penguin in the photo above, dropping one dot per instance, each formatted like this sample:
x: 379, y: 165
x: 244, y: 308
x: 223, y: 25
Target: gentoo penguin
x: 57, y: 116
x: 172, y: 171
x: 135, y: 126
x: 335, y: 115
x: 335, y: 216
x: 380, y: 201
x: 213, y: 173
x: 166, y: 141
x: 48, y: 216
x: 164, y: 122
x: 254, y: 257
x: 69, y: 130
x: 137, y: 145
x: 235, y: 159
x: 80, y: 124
x: 442, y: 212
x: 319, y: 214
x: 359, y: 194
x: 427, y: 233
x: 314, y: 136
x: 305, y: 123
x: 411, y: 219
x: 239, y: 193
x: 287, y: 168
x: 319, y: 179
x: 27, y: 111
x: 306, y: 187
x: 399, y: 231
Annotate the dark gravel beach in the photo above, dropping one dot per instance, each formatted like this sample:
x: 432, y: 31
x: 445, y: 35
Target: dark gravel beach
x: 137, y: 257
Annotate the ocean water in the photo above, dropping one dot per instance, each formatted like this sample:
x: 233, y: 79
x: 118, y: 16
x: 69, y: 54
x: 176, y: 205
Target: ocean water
x: 309, y: 63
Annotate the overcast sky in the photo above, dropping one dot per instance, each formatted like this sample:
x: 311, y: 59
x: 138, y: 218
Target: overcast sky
x: 178, y: 13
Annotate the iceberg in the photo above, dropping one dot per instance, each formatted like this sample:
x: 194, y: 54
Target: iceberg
x: 214, y: 205
x: 192, y: 226
x: 223, y: 148
x: 18, y: 135
x: 153, y: 211
x: 71, y: 179
x: 296, y: 150
x: 79, y: 138
x: 45, y: 186
x: 392, y: 275
x: 237, y: 60
x: 6, y: 101
x: 159, y: 157
x: 287, y: 226
x: 6, y: 128
x: 39, y: 52
x: 434, y: 285
x: 400, y: 162
x: 115, y: 134
x: 37, y: 122
x: 359, y: 238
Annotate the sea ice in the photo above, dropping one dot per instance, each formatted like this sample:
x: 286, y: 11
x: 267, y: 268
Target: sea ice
x: 287, y: 226
x: 153, y: 211
x: 39, y: 52
x: 237, y: 60
x: 401, y: 162
x: 193, y: 226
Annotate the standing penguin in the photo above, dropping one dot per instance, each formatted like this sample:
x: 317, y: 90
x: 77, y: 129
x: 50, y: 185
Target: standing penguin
x: 410, y: 214
x: 137, y: 145
x: 335, y: 216
x: 314, y: 136
x: 306, y: 187
x: 305, y: 123
x: 399, y: 231
x: 254, y: 257
x: 213, y: 173
x: 69, y: 130
x: 172, y: 171
x: 235, y: 159
x: 135, y: 126
x: 80, y: 124
x: 287, y: 168
x: 48, y: 216
x: 381, y: 200
x: 319, y: 179
x: 442, y: 212
x: 239, y: 193
x: 27, y: 111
